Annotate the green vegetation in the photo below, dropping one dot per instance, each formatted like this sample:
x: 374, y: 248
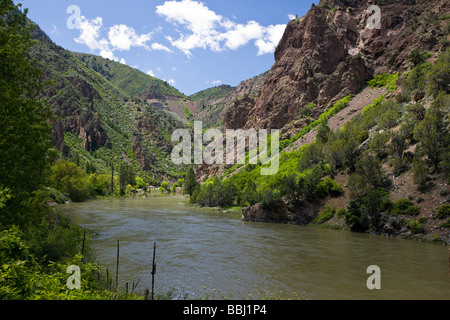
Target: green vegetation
x: 36, y: 243
x: 326, y: 214
x: 213, y: 93
x: 384, y: 80
x: 132, y: 81
x: 443, y: 211
x: 359, y: 149
x: 404, y: 206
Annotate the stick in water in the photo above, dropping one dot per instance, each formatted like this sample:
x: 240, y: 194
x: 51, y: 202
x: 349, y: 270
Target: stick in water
x: 153, y: 270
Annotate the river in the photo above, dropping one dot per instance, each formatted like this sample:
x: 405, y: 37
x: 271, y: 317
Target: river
x: 204, y: 252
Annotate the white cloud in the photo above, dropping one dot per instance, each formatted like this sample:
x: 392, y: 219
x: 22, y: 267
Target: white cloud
x: 119, y: 38
x: 241, y: 34
x: 272, y: 37
x: 151, y: 73
x: 216, y: 82
x: 208, y: 30
x: 171, y: 82
x: 291, y: 16
x: 90, y: 34
x: 173, y: 69
x: 107, y: 54
x: 123, y: 37
x: 159, y: 46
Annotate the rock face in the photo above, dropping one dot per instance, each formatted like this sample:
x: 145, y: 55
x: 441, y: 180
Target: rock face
x: 299, y: 213
x: 331, y: 52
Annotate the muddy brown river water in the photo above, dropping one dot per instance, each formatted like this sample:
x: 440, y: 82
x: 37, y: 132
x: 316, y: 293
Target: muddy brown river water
x: 201, y: 252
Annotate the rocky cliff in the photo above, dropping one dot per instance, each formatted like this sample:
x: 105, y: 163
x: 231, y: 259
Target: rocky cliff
x: 331, y: 52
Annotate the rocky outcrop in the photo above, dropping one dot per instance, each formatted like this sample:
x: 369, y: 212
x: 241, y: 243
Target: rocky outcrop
x: 331, y: 52
x: 237, y: 115
x: 300, y: 213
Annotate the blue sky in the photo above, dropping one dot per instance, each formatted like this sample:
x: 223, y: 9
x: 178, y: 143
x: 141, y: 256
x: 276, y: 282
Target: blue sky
x: 191, y: 44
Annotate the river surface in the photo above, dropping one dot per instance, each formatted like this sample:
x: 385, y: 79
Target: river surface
x: 207, y: 253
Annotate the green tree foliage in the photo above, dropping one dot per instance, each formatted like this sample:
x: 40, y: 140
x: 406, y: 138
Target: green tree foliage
x: 189, y: 182
x: 420, y: 173
x: 25, y: 133
x: 217, y: 194
x: 165, y: 186
x: 70, y: 179
x: 326, y: 214
x: 417, y: 56
x: 323, y: 132
x: 433, y: 136
x: 439, y: 75
x: 127, y: 177
x: 23, y: 278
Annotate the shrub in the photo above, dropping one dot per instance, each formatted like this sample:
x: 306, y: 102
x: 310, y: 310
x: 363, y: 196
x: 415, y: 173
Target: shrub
x: 401, y: 206
x: 384, y: 80
x: 165, y: 185
x: 445, y: 224
x: 412, y: 211
x: 328, y: 186
x: 326, y: 214
x: 341, y: 212
x: 270, y: 199
x: 415, y: 226
x: 443, y: 211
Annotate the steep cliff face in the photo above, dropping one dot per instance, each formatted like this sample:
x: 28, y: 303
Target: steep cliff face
x: 331, y: 52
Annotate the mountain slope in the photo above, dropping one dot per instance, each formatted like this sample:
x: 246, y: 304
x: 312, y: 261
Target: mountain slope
x: 364, y: 119
x: 330, y: 53
x: 100, y: 117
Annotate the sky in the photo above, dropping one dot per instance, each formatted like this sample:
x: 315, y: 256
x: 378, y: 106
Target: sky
x: 193, y: 45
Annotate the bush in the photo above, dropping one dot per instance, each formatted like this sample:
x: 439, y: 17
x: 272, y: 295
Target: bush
x: 404, y: 206
x: 165, y: 185
x: 341, y: 212
x: 384, y: 80
x: 443, y: 211
x: 22, y: 278
x: 271, y: 199
x: 326, y: 214
x: 413, y: 211
x: 328, y: 186
x: 70, y: 179
x: 415, y: 226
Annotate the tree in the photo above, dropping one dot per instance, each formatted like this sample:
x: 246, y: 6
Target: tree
x: 25, y: 132
x: 432, y: 135
x: 69, y: 179
x: 439, y: 75
x: 369, y: 168
x: 189, y: 183
x: 126, y: 176
x: 165, y: 185
x: 420, y: 175
x: 323, y: 131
